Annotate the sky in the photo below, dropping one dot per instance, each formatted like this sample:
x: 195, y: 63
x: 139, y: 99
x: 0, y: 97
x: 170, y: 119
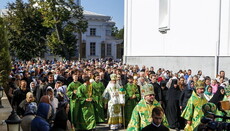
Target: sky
x: 113, y: 8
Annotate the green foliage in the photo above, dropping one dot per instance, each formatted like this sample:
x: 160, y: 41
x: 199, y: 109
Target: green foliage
x: 66, y: 19
x: 26, y: 34
x: 114, y: 31
x: 5, y: 61
x: 119, y: 34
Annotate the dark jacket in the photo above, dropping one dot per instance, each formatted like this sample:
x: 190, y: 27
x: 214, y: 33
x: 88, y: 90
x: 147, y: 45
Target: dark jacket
x: 60, y: 121
x: 39, y: 123
x: 185, y: 95
x: 157, y: 90
x: 19, y: 96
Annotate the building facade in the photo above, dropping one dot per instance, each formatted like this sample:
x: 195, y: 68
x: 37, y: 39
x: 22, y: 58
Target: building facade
x: 178, y: 34
x: 97, y: 41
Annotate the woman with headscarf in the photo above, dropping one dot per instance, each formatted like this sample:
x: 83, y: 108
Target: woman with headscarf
x: 53, y: 100
x: 173, y: 109
x: 218, y: 96
x: 29, y: 115
x: 208, y: 92
x: 40, y: 122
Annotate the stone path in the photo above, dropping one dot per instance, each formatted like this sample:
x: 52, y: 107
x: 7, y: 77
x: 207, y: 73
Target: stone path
x: 4, y: 113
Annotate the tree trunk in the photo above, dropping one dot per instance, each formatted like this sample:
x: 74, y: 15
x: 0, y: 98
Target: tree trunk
x: 60, y: 38
x: 59, y: 32
x: 79, y: 45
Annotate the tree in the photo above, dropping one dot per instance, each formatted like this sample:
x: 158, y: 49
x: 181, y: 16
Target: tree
x: 27, y: 35
x: 119, y: 34
x: 5, y: 61
x: 66, y: 19
x: 114, y: 31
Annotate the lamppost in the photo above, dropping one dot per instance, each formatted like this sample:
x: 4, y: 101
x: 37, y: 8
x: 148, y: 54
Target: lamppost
x: 13, y: 122
x: 1, y: 95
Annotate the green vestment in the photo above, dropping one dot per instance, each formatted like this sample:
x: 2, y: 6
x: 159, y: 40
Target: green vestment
x: 220, y: 113
x: 98, y: 89
x: 86, y: 119
x: 131, y: 90
x: 193, y: 111
x: 141, y: 116
x: 74, y: 102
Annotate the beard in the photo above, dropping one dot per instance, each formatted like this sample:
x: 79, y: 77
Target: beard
x: 201, y: 95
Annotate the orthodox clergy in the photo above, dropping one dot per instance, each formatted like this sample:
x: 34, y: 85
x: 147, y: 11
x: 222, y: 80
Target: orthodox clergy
x: 193, y: 111
x: 86, y: 117
x: 98, y: 88
x: 74, y: 101
x: 142, y: 84
x: 111, y: 93
x: 132, y: 97
x: 173, y: 111
x: 141, y: 115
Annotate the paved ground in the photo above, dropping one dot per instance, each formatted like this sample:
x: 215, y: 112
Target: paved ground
x: 4, y: 113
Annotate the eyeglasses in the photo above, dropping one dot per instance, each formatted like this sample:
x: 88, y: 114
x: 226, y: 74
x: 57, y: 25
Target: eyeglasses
x: 152, y: 95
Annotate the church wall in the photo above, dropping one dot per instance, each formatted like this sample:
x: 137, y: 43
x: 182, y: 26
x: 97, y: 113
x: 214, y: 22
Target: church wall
x: 193, y: 34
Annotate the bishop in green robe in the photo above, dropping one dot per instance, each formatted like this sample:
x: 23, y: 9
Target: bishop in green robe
x: 132, y: 97
x: 86, y: 119
x: 193, y: 111
x: 98, y: 89
x: 74, y: 101
x: 141, y: 115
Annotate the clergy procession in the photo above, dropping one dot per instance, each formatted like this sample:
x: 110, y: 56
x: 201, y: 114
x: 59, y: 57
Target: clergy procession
x: 79, y: 95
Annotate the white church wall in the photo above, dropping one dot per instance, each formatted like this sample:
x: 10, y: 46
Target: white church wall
x: 190, y: 42
x: 193, y: 27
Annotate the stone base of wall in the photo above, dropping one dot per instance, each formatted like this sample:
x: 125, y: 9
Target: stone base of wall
x: 175, y: 63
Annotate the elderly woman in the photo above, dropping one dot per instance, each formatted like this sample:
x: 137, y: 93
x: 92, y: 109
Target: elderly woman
x: 29, y: 99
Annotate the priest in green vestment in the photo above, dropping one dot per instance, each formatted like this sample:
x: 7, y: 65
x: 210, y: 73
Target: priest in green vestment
x: 141, y: 115
x: 74, y: 101
x: 132, y: 97
x: 86, y: 119
x: 98, y: 88
x: 193, y: 111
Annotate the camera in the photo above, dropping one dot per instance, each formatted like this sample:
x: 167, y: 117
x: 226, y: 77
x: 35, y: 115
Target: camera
x: 209, y: 124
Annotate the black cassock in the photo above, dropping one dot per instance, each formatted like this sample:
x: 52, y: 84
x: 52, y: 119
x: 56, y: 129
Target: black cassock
x: 173, y: 111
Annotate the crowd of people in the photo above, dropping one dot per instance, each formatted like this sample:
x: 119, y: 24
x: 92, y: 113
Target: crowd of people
x: 78, y: 95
